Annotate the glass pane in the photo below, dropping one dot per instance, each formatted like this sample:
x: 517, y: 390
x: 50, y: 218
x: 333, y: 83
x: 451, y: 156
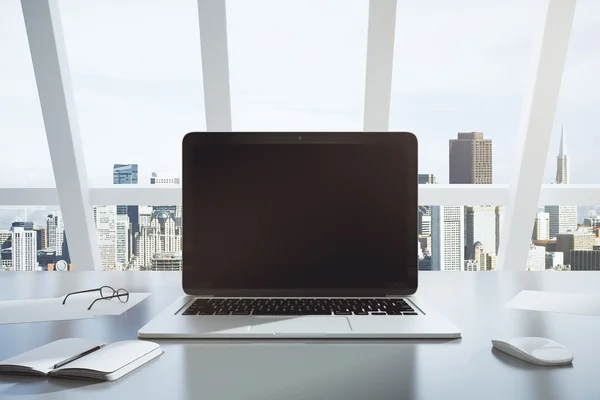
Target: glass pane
x: 572, y: 158
x: 24, y: 155
x: 565, y: 238
x: 137, y: 80
x: 139, y: 237
x: 297, y: 64
x: 33, y: 238
x: 462, y: 66
x: 459, y: 238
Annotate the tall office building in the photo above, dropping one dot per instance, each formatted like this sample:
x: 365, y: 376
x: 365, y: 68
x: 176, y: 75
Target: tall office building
x: 585, y: 260
x: 55, y: 232
x: 41, y: 238
x: 576, y: 240
x: 426, y: 179
x: 105, y: 218
x: 447, y: 238
x: 162, y: 179
x: 541, y: 227
x: 470, y: 159
x: 24, y: 249
x: 562, y: 218
x: 480, y: 226
x: 125, y: 174
x: 536, y: 258
x: 424, y: 220
x: 161, y: 235
x: 123, y: 241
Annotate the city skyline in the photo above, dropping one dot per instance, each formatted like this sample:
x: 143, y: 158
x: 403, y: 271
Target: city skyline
x: 451, y: 238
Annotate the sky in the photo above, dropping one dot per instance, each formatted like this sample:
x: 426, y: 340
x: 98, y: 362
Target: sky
x: 294, y: 65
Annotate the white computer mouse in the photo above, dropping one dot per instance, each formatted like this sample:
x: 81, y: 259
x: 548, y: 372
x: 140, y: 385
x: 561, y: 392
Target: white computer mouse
x: 536, y: 350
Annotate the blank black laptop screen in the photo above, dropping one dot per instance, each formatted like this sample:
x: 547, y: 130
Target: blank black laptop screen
x: 300, y: 215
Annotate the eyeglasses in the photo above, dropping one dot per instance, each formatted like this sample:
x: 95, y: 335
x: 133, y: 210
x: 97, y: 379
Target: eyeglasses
x: 106, y: 293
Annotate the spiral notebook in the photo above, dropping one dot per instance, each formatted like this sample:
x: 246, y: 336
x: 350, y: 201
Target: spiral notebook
x: 80, y: 358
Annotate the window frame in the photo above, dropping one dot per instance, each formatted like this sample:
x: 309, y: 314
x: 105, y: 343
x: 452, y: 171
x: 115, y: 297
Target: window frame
x: 522, y: 197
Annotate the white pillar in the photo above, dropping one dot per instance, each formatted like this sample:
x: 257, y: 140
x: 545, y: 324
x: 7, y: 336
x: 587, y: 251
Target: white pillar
x: 215, y: 64
x: 380, y: 59
x: 533, y: 141
x: 46, y: 43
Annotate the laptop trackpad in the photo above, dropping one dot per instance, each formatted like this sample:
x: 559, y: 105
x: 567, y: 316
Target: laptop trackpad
x: 300, y: 325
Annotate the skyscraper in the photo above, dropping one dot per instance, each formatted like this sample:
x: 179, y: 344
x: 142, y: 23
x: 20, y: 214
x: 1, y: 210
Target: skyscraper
x: 161, y: 235
x: 41, y: 238
x: 541, y: 227
x: 536, y: 258
x: 424, y: 220
x: 122, y: 237
x: 128, y: 174
x: 125, y: 174
x: 447, y: 238
x: 563, y: 172
x: 55, y: 232
x: 562, y: 218
x: 105, y: 218
x: 480, y: 223
x: 470, y: 159
x: 24, y: 249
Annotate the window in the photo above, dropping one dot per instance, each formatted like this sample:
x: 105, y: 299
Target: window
x: 297, y: 64
x: 24, y: 154
x: 462, y: 67
x: 459, y: 76
x: 137, y: 80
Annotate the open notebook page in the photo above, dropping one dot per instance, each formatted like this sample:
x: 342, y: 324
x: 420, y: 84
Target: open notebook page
x: 42, y: 359
x: 112, y: 357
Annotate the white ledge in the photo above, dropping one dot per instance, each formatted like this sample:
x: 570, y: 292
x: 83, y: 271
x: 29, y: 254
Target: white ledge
x: 428, y: 195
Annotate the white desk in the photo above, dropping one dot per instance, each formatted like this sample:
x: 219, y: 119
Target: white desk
x: 458, y: 369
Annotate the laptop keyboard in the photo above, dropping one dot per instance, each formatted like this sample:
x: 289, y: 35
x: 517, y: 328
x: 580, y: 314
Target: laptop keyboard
x: 296, y: 306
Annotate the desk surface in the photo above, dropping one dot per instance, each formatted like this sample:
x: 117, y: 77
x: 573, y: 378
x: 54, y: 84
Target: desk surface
x: 400, y: 369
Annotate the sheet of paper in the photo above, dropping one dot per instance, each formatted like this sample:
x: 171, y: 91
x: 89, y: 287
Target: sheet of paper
x: 103, y: 307
x: 570, y: 303
x: 38, y: 310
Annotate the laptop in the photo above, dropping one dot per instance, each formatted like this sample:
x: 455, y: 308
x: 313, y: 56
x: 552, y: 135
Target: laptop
x: 299, y: 235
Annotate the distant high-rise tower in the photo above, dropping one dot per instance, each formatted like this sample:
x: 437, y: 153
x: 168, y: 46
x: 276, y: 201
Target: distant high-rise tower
x: 128, y: 174
x: 563, y: 173
x: 125, y: 174
x: 55, y: 232
x: 480, y: 223
x: 24, y: 248
x: 105, y: 218
x: 425, y: 179
x: 470, y: 159
x: 447, y: 240
x: 562, y: 218
x: 541, y: 227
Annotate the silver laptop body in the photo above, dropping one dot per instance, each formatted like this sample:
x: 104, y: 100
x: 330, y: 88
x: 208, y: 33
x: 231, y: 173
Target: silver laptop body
x: 299, y: 235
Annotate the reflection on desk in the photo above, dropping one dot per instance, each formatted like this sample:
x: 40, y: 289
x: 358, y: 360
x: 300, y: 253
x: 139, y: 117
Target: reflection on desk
x: 382, y: 369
